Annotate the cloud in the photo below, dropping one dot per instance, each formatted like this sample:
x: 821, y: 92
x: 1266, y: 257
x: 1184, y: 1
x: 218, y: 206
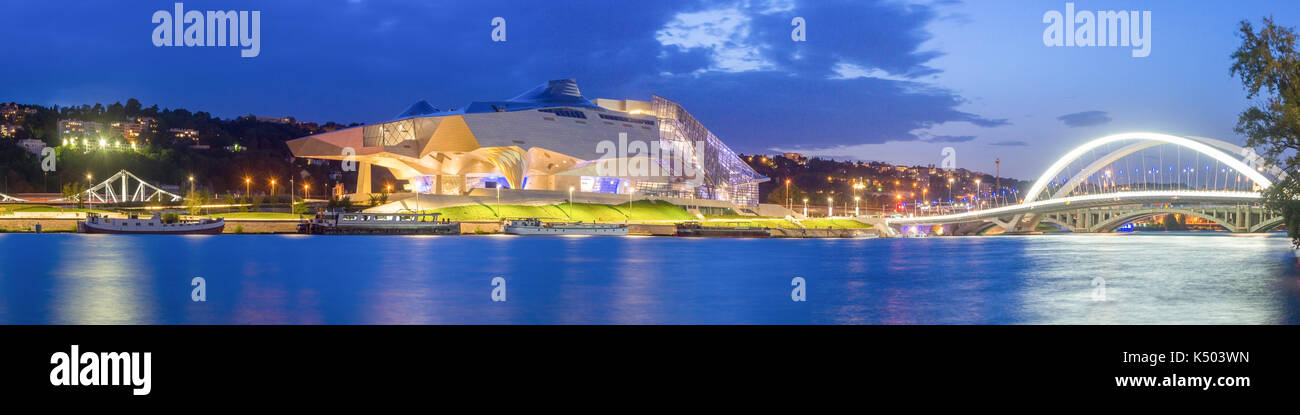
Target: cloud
x: 1013, y: 143
x: 948, y: 138
x: 844, y: 70
x: 1085, y: 119
x: 724, y: 33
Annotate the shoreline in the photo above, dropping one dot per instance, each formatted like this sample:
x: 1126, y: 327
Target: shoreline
x: 468, y: 228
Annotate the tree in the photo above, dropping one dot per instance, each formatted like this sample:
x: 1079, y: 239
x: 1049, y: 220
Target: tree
x: 778, y: 196
x: 195, y: 200
x: 1269, y: 67
x: 74, y: 190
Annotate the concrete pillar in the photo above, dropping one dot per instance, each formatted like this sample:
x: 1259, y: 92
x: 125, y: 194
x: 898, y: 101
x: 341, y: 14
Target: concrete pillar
x: 363, y: 178
x: 1240, y: 220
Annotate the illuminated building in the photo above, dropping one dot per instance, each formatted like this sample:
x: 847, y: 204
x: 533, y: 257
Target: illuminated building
x: 548, y: 138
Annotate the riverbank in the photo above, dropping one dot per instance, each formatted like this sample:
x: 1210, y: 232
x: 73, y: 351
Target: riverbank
x: 280, y: 226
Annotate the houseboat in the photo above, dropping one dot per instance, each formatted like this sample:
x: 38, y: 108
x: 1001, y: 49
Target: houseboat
x: 96, y: 223
x: 342, y: 223
x: 534, y: 226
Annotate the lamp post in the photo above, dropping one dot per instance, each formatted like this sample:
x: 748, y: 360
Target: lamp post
x: 787, y: 194
x: 805, y: 207
x: 498, y: 200
x: 290, y: 194
x: 830, y: 207
x: 306, y: 192
x: 856, y: 212
x: 191, y: 185
x: 570, y: 202
x: 89, y: 178
x: 248, y: 189
x: 924, y: 194
x: 272, y: 188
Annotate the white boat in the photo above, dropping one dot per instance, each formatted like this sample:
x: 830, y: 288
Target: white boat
x: 154, y: 225
x: 335, y: 223
x: 533, y: 226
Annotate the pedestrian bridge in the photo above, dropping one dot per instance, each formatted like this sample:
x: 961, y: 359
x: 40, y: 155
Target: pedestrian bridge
x: 1113, y: 180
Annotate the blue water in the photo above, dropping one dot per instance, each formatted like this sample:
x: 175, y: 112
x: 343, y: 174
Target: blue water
x: 262, y: 279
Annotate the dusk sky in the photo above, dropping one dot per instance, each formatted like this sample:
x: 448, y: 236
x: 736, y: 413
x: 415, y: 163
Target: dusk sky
x: 889, y: 80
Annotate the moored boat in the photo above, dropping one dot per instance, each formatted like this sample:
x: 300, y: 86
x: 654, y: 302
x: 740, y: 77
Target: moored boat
x: 534, y: 226
x: 696, y: 229
x: 336, y: 223
x: 155, y: 224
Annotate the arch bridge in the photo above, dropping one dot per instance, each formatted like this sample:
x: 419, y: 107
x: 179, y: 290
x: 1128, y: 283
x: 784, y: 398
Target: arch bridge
x: 125, y: 187
x: 1113, y: 180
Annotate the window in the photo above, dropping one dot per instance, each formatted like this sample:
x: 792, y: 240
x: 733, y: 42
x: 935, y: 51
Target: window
x: 566, y: 112
x: 626, y: 119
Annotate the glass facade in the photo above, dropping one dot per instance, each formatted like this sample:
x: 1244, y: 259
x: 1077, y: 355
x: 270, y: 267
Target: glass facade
x: 725, y: 175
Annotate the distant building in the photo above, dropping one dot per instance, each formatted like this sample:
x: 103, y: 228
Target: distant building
x: 796, y: 157
x: 12, y: 113
x: 184, y: 134
x: 8, y: 130
x: 78, y: 129
x: 132, y: 128
x: 276, y: 120
x: 32, y: 145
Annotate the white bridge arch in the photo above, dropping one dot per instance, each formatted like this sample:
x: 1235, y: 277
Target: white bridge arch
x: 1026, y: 215
x: 120, y: 189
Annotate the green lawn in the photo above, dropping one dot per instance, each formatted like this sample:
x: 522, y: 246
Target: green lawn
x: 9, y: 209
x: 836, y: 223
x: 257, y: 215
x: 585, y: 212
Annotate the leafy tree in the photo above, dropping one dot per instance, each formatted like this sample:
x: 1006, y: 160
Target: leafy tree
x: 195, y: 200
x: 1269, y: 67
x: 778, y: 195
x: 74, y: 190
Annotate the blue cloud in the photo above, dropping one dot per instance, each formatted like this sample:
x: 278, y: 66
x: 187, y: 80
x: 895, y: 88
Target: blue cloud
x: 859, y: 79
x: 1010, y: 143
x: 1085, y: 119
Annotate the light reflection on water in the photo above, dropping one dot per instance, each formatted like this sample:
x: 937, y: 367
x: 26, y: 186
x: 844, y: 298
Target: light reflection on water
x: 264, y: 279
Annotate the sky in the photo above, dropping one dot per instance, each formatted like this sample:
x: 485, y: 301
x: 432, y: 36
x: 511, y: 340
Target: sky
x: 887, y: 80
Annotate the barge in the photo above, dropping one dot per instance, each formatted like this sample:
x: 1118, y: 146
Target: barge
x: 337, y: 223
x: 692, y: 229
x: 155, y: 225
x: 534, y: 226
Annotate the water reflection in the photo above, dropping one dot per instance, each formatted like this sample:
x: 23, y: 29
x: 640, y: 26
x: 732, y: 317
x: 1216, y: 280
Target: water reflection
x: 261, y: 279
x: 99, y: 281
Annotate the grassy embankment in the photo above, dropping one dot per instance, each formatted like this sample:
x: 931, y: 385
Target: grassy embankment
x: 11, y: 209
x: 584, y: 212
x: 642, y: 211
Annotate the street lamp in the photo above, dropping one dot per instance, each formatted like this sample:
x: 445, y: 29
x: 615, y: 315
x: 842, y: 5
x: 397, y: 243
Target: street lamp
x: 978, y: 189
x: 191, y: 185
x: 805, y: 207
x: 787, y: 194
x: 89, y: 178
x: 248, y: 189
x: 570, y: 202
x: 830, y: 208
x: 855, y: 206
x: 272, y: 188
x: 306, y: 193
